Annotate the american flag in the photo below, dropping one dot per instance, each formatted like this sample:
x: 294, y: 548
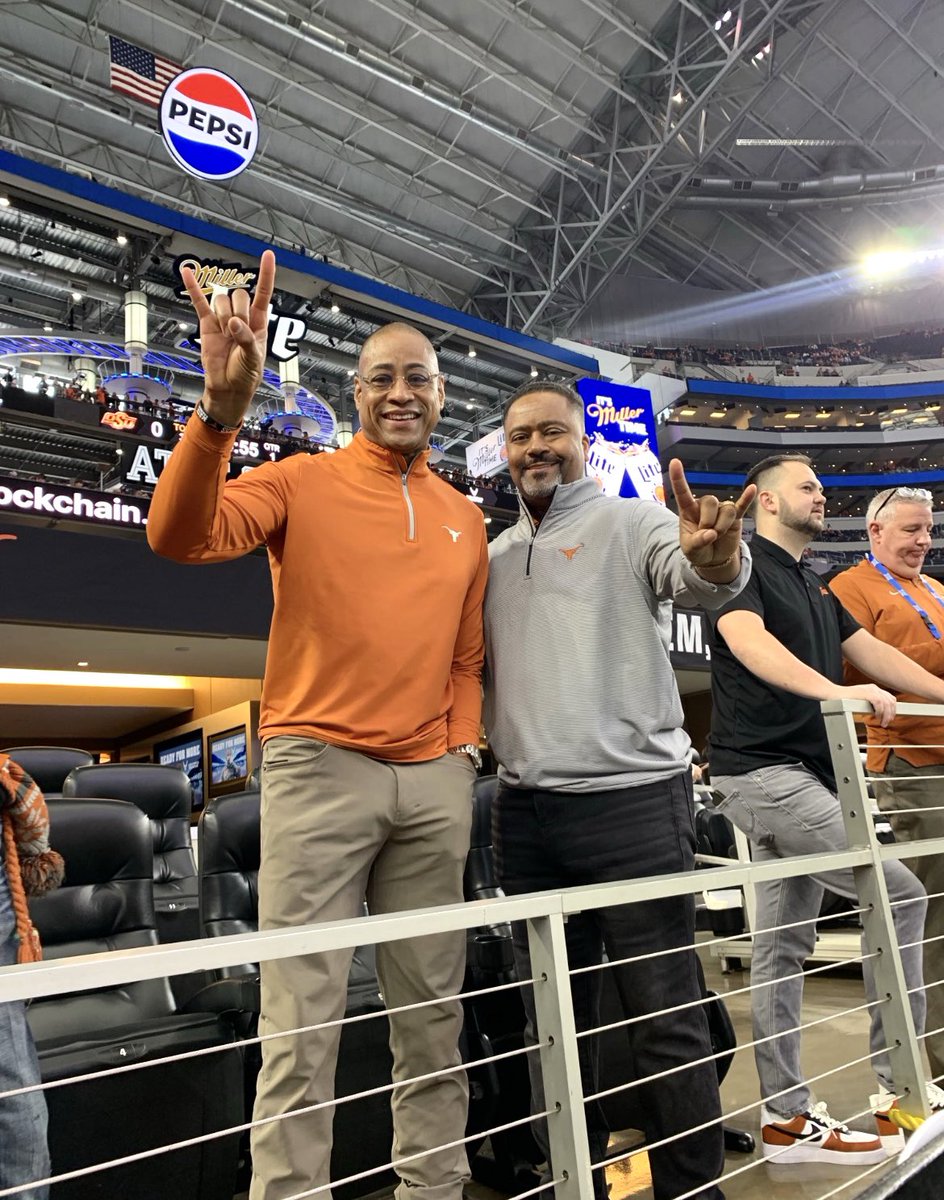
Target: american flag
x: 138, y: 73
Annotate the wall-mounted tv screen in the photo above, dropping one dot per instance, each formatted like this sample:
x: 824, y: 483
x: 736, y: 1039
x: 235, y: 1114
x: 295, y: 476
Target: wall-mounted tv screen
x: 186, y: 751
x: 227, y: 754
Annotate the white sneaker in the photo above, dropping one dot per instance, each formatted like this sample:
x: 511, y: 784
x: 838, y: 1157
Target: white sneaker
x: 814, y: 1136
x: 890, y: 1132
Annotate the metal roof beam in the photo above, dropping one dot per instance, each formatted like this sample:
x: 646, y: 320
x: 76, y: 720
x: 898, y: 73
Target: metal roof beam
x: 441, y: 151
x: 376, y: 62
x: 431, y: 26
x: 736, y: 56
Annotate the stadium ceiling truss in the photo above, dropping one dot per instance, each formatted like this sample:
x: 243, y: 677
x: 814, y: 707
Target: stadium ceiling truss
x: 510, y: 158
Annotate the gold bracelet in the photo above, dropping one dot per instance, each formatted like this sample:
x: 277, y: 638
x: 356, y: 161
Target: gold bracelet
x: 721, y: 565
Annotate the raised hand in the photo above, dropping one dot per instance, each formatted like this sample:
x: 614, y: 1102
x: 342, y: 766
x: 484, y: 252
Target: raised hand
x: 233, y: 336
x: 709, y: 528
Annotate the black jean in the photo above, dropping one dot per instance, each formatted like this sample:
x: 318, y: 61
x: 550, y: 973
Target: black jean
x: 549, y: 840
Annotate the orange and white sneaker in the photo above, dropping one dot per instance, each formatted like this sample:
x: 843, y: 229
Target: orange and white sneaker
x: 814, y: 1136
x: 890, y: 1122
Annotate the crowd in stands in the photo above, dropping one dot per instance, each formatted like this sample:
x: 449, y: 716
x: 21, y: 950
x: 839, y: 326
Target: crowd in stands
x: 934, y: 557
x: 258, y: 426
x: 826, y: 357
x: 908, y: 343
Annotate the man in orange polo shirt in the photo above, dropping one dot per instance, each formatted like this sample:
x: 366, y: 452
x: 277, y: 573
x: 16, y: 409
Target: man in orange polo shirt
x: 888, y: 596
x: 369, y: 722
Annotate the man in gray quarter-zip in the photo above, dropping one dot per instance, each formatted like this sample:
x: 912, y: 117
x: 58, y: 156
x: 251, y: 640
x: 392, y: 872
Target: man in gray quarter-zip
x: 584, y: 718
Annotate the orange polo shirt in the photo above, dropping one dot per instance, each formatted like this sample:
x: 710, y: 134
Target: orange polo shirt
x: 885, y: 613
x: 378, y: 573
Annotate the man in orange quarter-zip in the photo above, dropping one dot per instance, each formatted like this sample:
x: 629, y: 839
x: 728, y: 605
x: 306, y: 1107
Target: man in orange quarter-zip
x: 889, y: 596
x: 369, y: 721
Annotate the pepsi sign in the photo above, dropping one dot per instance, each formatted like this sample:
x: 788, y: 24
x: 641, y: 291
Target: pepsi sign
x: 208, y: 124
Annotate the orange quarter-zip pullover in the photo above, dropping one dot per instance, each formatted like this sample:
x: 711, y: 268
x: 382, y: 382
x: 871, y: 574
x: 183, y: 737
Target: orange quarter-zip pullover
x: 884, y: 612
x: 378, y: 573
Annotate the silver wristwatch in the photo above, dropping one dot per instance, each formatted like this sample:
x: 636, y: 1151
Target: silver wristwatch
x: 472, y: 751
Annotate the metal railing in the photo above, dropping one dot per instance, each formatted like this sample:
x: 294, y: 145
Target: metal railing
x: 544, y: 915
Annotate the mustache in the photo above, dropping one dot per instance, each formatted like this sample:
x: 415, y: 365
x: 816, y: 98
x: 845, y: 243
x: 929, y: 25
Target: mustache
x: 542, y: 460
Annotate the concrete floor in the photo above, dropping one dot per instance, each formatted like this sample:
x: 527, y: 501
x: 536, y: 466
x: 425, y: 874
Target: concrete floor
x: 829, y: 1045
x: 825, y: 1047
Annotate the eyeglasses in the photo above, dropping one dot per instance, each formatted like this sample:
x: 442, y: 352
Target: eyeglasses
x: 383, y: 381
x: 904, y: 493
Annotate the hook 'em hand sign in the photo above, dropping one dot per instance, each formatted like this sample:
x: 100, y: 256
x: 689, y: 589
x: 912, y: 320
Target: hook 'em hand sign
x: 286, y: 330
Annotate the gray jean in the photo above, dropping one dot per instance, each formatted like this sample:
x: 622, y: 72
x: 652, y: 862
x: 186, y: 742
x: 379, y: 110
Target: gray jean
x: 23, y: 1153
x: 785, y: 810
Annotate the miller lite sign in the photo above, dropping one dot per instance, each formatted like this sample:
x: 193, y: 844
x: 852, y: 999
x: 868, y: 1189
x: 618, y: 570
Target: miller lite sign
x: 208, y: 124
x: 286, y: 330
x: 624, y: 451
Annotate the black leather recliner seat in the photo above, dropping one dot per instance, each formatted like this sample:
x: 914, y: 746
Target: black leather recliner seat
x: 49, y: 765
x: 106, y: 904
x: 165, y: 796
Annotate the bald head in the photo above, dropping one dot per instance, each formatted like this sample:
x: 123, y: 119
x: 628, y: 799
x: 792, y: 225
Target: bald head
x: 395, y: 330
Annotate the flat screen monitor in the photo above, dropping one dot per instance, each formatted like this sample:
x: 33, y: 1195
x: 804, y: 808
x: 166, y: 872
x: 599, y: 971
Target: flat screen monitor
x: 227, y: 755
x: 185, y: 751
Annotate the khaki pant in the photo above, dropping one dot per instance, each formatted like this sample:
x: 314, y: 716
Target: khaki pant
x: 903, y: 786
x: 338, y: 826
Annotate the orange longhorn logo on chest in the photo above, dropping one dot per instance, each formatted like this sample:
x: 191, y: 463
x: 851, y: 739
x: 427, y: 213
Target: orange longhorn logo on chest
x: 570, y: 551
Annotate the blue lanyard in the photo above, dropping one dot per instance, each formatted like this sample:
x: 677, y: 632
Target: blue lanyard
x: 884, y: 571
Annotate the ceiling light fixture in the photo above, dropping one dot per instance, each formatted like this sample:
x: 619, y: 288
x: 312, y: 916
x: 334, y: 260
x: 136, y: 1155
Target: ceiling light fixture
x: 4, y: 201
x: 81, y: 664
x: 47, y: 328
x: 471, y: 352
x: 677, y: 98
x: 718, y: 414
x: 121, y: 239
x: 76, y: 296
x: 335, y: 307
x: 534, y: 372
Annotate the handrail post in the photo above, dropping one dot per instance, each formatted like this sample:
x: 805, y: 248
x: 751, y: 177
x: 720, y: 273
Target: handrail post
x: 877, y: 921
x: 560, y: 1065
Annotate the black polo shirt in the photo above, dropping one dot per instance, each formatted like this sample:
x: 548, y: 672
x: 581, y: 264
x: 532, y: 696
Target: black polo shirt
x: 753, y: 724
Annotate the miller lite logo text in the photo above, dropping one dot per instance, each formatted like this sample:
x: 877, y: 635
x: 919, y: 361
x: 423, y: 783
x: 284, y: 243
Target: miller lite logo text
x: 213, y: 273
x: 286, y: 330
x: 208, y: 124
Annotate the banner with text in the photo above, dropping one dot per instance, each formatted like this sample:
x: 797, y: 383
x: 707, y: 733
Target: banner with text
x: 624, y: 455
x: 488, y: 455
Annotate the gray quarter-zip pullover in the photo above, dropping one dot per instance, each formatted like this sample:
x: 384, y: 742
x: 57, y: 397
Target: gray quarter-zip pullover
x: 580, y: 695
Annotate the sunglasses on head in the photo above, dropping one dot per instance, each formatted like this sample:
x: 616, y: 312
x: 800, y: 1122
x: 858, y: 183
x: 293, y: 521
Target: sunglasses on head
x: 904, y: 493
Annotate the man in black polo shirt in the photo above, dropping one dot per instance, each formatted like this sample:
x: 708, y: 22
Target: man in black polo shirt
x: 777, y: 651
